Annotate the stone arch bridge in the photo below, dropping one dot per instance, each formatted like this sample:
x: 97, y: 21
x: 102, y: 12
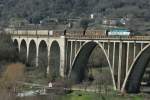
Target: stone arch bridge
x: 127, y: 57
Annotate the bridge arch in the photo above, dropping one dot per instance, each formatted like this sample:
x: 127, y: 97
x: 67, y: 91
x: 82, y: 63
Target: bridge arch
x: 80, y: 61
x: 54, y: 60
x: 43, y: 56
x: 134, y: 76
x: 23, y: 51
x: 32, y: 53
x: 16, y: 45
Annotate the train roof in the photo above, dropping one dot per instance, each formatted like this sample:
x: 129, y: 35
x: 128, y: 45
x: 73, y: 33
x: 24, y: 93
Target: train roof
x: 119, y: 30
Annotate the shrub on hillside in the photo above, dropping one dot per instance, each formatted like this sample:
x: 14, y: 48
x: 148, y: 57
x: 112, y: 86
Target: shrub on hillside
x: 7, y: 49
x: 9, y: 82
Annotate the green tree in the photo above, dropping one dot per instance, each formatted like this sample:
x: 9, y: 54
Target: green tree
x: 84, y: 24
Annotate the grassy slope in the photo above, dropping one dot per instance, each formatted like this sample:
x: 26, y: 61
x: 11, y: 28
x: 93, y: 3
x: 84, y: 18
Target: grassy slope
x: 92, y: 96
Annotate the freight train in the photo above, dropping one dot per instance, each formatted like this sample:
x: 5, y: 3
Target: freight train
x: 108, y: 32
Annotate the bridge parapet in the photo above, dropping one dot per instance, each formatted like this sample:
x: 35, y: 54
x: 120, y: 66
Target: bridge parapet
x: 94, y: 37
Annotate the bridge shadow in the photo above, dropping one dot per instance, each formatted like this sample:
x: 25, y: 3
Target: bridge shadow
x: 32, y: 54
x: 54, y: 62
x: 91, y: 67
x: 23, y: 52
x: 43, y: 57
x: 145, y: 84
x: 137, y: 74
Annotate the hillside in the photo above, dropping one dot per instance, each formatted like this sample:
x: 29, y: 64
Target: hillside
x: 33, y: 11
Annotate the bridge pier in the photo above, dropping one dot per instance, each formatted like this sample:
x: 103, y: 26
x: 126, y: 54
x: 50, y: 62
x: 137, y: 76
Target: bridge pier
x: 27, y: 55
x: 48, y: 67
x: 37, y: 57
x: 119, y: 65
x: 62, y: 56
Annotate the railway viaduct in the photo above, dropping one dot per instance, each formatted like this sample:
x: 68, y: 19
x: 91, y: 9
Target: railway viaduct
x: 127, y: 57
